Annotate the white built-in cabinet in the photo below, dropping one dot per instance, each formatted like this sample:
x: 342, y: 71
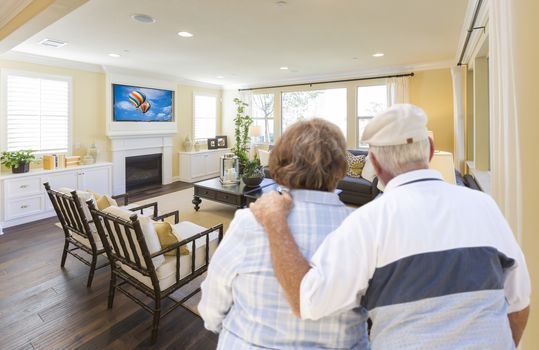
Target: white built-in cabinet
x: 197, y: 166
x: 23, y: 198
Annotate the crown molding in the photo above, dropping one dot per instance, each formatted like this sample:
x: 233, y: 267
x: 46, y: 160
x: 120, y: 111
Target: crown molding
x: 366, y: 73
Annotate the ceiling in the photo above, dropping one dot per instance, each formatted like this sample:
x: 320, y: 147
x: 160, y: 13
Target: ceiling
x: 247, y: 41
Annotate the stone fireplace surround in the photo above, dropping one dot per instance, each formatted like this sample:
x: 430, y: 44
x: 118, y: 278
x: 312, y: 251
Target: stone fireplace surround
x: 126, y: 145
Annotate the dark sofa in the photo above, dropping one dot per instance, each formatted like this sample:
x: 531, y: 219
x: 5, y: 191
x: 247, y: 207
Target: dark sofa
x: 357, y: 191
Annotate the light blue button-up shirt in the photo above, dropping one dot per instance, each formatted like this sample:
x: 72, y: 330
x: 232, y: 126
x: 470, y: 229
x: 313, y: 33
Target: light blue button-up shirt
x: 242, y: 299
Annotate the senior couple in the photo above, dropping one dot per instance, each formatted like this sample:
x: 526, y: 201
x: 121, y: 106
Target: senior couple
x: 433, y: 265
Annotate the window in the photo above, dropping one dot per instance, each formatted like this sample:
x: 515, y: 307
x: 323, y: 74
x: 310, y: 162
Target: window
x: 262, y: 115
x: 37, y: 114
x: 328, y: 104
x: 205, y: 116
x: 370, y: 100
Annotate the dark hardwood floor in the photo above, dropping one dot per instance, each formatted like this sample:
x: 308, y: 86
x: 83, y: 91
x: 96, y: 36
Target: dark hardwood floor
x: 43, y: 306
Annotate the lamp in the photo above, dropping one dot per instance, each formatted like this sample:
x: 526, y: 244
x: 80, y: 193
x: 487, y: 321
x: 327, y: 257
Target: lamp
x: 255, y: 131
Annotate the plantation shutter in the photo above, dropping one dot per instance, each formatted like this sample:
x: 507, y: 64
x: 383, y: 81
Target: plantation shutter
x: 205, y: 116
x: 37, y: 114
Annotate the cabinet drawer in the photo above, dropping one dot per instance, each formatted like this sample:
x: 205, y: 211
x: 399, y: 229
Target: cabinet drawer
x: 229, y: 198
x: 203, y: 192
x: 21, y: 207
x: 23, y: 187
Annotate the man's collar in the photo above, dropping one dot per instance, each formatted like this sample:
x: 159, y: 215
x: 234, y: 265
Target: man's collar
x: 320, y: 197
x: 412, y: 176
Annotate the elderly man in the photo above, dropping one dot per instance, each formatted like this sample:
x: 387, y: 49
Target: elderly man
x: 436, y: 265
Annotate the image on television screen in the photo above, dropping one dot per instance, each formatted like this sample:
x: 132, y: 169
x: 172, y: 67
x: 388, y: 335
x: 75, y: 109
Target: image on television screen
x: 140, y: 104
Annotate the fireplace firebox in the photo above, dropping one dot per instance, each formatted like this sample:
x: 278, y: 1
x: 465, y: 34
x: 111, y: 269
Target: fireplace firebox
x: 143, y: 171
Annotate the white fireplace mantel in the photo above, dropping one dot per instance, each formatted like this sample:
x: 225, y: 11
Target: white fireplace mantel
x: 133, y: 144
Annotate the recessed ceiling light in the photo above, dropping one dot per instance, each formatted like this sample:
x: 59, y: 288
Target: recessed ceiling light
x: 378, y: 54
x: 52, y: 43
x: 185, y: 34
x: 219, y: 77
x: 143, y: 18
x: 115, y: 55
x: 284, y: 68
x: 281, y: 3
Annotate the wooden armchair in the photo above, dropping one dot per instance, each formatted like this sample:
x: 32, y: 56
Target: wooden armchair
x: 78, y: 231
x: 126, y: 240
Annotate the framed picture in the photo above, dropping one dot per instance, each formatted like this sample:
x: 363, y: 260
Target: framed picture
x: 212, y: 143
x: 221, y: 142
x: 141, y: 104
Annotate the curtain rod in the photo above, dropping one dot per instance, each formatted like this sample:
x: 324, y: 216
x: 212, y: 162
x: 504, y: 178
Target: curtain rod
x: 329, y: 82
x: 471, y: 28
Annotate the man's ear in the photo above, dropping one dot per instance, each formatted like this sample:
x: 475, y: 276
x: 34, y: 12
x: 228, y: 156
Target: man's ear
x: 431, y: 142
x: 375, y: 164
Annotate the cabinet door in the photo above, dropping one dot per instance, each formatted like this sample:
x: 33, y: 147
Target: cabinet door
x: 198, y: 165
x: 95, y: 179
x: 57, y: 180
x: 63, y: 179
x: 212, y: 163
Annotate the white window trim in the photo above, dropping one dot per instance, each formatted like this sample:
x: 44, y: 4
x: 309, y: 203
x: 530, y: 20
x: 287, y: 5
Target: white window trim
x: 208, y: 94
x: 4, y: 73
x: 374, y: 82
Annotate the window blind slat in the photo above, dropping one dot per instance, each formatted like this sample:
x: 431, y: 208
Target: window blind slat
x: 37, y: 114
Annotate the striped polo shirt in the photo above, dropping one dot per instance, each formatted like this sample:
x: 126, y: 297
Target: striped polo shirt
x: 436, y: 265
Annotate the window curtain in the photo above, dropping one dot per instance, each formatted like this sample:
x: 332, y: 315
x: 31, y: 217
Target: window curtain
x: 458, y: 116
x: 505, y: 152
x: 397, y: 90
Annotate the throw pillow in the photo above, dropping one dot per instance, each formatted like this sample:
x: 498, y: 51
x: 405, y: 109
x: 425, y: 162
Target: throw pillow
x: 168, y: 236
x: 83, y: 197
x: 355, y: 165
x: 103, y: 201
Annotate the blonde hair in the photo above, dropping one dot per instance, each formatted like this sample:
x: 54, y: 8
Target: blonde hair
x: 311, y: 154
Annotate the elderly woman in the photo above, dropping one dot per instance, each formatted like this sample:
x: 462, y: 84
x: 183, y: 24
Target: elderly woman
x: 241, y: 298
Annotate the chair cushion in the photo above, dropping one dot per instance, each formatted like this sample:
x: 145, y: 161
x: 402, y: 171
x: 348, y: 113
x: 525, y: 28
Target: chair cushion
x: 166, y: 273
x: 86, y: 242
x: 168, y: 236
x: 148, y: 230
x: 354, y: 165
x: 148, y: 212
x: 84, y: 196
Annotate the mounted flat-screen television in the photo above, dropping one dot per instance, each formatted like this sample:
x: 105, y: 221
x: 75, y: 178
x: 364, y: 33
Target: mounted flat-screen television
x: 140, y: 104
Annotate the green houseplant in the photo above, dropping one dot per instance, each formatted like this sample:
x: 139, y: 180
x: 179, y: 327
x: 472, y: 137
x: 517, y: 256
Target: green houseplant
x: 253, y: 173
x: 241, y: 133
x: 18, y: 161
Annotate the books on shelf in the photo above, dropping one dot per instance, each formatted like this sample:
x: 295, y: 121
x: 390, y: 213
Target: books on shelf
x: 71, y: 161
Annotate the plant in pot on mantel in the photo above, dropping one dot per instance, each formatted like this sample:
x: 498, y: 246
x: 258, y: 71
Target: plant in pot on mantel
x: 253, y: 173
x: 18, y: 161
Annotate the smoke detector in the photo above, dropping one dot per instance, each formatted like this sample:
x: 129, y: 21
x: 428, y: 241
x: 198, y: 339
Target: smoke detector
x: 139, y: 17
x: 52, y: 43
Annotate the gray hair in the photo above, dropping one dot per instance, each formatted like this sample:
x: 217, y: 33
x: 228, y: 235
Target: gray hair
x: 400, y: 159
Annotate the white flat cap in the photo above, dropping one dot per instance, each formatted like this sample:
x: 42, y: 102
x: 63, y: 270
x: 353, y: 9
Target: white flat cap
x: 399, y: 124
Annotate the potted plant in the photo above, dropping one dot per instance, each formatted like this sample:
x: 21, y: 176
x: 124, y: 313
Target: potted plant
x: 241, y: 133
x: 18, y: 161
x: 253, y: 173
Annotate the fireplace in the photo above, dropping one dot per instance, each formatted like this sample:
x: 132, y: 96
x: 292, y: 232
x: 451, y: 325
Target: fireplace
x: 143, y: 171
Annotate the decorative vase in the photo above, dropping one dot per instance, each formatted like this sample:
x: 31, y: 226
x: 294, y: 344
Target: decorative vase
x: 22, y: 168
x: 93, y: 152
x: 252, y: 181
x: 188, y: 144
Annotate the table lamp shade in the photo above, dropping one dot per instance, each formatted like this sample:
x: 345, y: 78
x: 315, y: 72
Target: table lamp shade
x: 255, y: 131
x: 443, y: 162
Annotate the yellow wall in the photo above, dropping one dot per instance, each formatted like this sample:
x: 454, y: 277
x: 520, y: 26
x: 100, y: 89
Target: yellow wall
x: 88, y: 104
x: 526, y: 55
x: 432, y: 91
x: 184, y: 115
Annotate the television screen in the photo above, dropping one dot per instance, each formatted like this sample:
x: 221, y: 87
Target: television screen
x: 139, y: 104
